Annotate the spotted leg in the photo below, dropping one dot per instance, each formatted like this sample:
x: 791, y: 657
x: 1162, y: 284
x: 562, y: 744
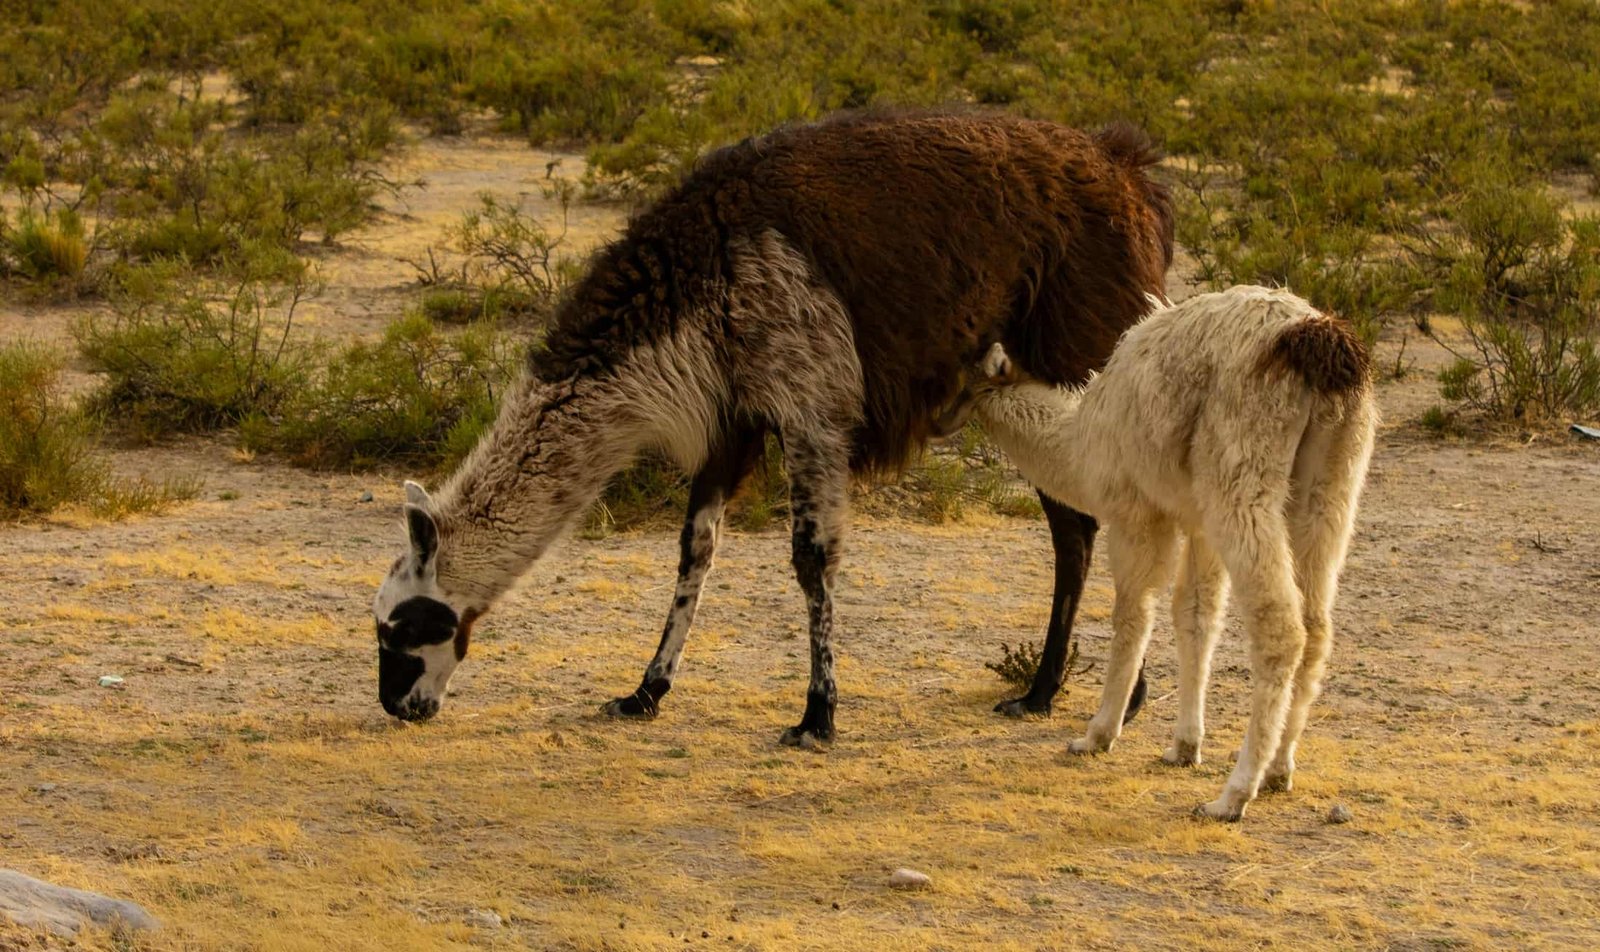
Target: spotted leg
x: 709, y: 492
x: 818, y: 495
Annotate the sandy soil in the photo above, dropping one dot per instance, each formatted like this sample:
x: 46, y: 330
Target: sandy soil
x: 244, y: 785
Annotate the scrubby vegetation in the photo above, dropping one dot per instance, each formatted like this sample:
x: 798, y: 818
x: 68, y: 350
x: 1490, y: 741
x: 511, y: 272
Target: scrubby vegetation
x: 47, y: 447
x: 1389, y: 161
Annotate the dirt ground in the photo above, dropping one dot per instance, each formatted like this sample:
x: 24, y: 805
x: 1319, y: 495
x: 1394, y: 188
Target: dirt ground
x: 243, y: 783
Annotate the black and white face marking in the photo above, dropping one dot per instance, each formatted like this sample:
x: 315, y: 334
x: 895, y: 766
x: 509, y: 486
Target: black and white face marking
x: 419, y: 646
x: 421, y: 638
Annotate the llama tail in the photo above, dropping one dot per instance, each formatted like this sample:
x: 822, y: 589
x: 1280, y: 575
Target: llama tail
x: 1324, y: 352
x: 1128, y: 145
x: 1135, y: 152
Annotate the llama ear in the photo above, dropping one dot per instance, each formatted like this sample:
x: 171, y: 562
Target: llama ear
x: 423, y: 533
x: 997, y: 366
x: 417, y: 496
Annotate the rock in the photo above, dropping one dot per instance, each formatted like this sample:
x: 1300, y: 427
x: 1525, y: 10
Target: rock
x: 44, y: 787
x: 36, y: 904
x: 1340, y: 814
x: 904, y: 878
x: 483, y: 919
x: 366, y: 496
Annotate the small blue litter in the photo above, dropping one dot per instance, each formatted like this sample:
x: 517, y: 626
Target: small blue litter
x: 1587, y: 432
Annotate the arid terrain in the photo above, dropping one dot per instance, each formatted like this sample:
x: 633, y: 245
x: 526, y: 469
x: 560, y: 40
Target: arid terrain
x: 244, y: 785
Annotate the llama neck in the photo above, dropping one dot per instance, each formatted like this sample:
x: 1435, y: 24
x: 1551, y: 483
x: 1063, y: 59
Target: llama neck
x: 1038, y: 427
x: 547, y: 458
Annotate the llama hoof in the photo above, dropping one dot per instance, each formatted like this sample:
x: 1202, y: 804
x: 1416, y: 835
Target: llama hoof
x: 1277, y: 783
x: 638, y: 705
x: 806, y: 738
x: 1023, y: 707
x: 1087, y: 745
x: 1182, y: 754
x: 1221, y: 809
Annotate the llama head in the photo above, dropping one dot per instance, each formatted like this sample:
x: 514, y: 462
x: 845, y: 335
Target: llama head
x: 421, y: 638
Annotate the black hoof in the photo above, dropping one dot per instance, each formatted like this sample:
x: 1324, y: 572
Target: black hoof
x: 640, y: 705
x: 1023, y: 707
x: 815, y: 729
x: 806, y: 738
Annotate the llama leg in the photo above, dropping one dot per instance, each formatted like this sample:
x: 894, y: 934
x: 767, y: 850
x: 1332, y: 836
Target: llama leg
x: 1330, y: 467
x: 1141, y: 560
x: 819, y: 500
x: 1072, y: 535
x: 1197, y: 601
x: 717, y: 480
x: 1256, y: 551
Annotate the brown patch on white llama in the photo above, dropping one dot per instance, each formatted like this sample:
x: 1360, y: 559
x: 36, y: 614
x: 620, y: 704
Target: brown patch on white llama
x: 1192, y: 430
x: 828, y: 283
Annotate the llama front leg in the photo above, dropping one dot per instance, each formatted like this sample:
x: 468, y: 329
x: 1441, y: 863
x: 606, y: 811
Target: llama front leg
x: 1072, y: 536
x: 716, y: 482
x: 1258, y: 558
x: 818, y: 496
x: 1197, y: 602
x: 1141, y: 560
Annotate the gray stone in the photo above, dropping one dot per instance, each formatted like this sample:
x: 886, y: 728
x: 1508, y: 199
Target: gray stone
x: 1340, y: 814
x: 366, y: 496
x: 36, y: 904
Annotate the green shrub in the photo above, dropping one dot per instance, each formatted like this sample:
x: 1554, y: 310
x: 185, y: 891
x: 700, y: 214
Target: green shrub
x: 184, y: 355
x: 418, y: 398
x: 1018, y: 666
x: 43, y: 246
x: 1526, y: 282
x: 47, y: 447
x: 511, y: 254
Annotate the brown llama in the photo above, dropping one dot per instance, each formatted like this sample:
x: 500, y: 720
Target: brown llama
x: 829, y: 283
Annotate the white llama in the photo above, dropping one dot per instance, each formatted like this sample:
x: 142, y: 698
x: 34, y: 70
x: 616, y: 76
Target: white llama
x: 1243, y: 420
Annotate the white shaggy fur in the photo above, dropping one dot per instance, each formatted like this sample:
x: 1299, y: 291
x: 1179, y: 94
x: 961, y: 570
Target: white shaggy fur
x: 1189, y: 431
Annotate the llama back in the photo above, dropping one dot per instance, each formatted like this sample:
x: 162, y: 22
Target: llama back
x: 932, y: 267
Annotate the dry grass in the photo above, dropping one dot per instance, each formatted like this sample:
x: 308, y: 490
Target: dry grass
x: 253, y: 796
x: 287, y: 829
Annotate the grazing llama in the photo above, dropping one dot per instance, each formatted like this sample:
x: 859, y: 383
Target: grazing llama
x: 1243, y: 420
x: 829, y: 283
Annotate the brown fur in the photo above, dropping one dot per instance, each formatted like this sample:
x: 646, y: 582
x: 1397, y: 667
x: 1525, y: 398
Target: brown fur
x: 1325, y: 352
x: 939, y: 232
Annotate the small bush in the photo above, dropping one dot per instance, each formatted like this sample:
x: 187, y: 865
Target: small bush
x: 1017, y: 667
x: 44, y: 246
x: 417, y: 397
x: 47, y: 447
x: 181, y: 354
x: 509, y: 269
x: 1526, y: 282
x: 510, y: 253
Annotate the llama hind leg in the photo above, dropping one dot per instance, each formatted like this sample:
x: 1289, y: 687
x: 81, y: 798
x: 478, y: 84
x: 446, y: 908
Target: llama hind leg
x: 1255, y: 547
x: 819, y: 502
x: 1141, y: 560
x: 716, y: 481
x: 1197, y: 602
x: 1318, y: 569
x: 1331, y: 467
